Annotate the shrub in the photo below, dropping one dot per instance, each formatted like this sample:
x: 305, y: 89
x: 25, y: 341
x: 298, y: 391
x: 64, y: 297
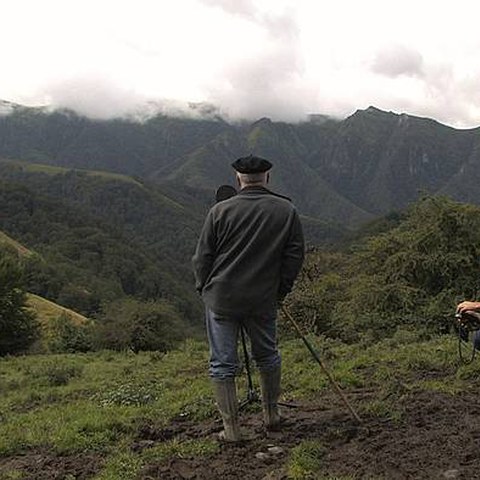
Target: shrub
x: 55, y: 375
x: 67, y: 336
x: 411, y: 274
x: 134, y: 325
x: 18, y: 326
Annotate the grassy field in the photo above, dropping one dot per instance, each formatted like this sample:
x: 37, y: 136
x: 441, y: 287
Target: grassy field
x: 46, y: 311
x: 18, y: 247
x: 98, y: 406
x: 55, y: 170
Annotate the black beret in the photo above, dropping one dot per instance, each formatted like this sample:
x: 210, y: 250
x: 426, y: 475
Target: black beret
x: 251, y: 164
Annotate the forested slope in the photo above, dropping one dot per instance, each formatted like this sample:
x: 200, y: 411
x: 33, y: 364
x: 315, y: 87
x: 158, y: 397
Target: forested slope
x: 98, y: 240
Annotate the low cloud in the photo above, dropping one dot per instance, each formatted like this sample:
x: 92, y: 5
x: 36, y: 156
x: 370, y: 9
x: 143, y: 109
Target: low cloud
x: 234, y: 7
x: 397, y: 60
x: 270, y: 82
x: 268, y: 85
x: 94, y: 96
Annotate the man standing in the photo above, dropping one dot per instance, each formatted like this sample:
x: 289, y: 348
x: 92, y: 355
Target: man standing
x: 249, y: 253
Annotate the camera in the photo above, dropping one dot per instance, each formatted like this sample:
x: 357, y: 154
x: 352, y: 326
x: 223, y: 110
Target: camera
x: 469, y: 320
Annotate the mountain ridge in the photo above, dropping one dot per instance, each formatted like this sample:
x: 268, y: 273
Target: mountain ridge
x: 347, y: 171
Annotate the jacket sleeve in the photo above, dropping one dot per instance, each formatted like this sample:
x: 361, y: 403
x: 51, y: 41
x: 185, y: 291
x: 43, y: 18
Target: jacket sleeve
x: 292, y: 257
x: 204, y: 253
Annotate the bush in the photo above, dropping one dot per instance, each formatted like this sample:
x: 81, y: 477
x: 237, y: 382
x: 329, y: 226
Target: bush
x: 412, y: 274
x: 134, y: 325
x: 67, y: 336
x: 56, y: 375
x: 18, y: 326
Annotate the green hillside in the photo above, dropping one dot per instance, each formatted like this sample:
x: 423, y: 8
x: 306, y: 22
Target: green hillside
x: 101, y: 236
x: 47, y: 311
x: 5, y: 240
x: 99, y: 239
x: 210, y: 165
x: 30, y: 167
x: 63, y: 138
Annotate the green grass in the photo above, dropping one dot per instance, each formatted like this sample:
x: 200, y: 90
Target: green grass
x: 306, y: 460
x: 46, y: 311
x: 96, y: 403
x: 18, y: 247
x: 12, y: 475
x: 54, y: 170
x: 126, y: 465
x: 179, y: 449
x: 121, y: 466
x: 90, y: 402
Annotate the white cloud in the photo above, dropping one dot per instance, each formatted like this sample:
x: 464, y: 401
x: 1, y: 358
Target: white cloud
x: 277, y: 58
x: 94, y: 96
x: 395, y: 60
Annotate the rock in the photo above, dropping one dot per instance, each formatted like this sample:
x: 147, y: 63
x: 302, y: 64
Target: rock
x: 276, y: 475
x: 142, y: 445
x: 453, y: 473
x: 262, y: 456
x: 275, y: 450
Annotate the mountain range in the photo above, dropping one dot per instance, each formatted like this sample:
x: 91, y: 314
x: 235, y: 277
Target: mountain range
x: 342, y: 171
x: 114, y: 207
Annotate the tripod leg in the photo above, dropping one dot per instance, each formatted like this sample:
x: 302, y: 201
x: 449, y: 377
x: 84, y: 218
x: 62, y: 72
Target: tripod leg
x: 247, y: 360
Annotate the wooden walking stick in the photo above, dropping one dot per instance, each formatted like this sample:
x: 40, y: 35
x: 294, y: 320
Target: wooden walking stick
x: 322, y: 365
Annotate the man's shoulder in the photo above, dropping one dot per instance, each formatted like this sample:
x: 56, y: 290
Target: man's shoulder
x: 278, y: 195
x: 264, y: 194
x: 279, y: 201
x: 223, y: 206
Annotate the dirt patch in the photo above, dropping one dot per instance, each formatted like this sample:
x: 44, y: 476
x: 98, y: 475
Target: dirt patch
x: 437, y: 437
x: 41, y: 465
x: 251, y: 459
x: 439, y: 433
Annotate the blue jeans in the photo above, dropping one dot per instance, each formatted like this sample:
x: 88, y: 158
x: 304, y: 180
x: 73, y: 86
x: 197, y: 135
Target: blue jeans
x: 464, y: 335
x: 476, y: 339
x: 223, y: 332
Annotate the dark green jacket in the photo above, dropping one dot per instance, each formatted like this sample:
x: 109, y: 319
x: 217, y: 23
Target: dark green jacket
x: 249, y: 253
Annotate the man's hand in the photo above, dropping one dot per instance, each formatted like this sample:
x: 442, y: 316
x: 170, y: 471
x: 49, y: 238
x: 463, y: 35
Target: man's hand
x: 466, y: 305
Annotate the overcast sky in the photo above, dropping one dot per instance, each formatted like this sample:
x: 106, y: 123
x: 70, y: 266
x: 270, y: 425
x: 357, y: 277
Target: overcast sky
x: 252, y: 58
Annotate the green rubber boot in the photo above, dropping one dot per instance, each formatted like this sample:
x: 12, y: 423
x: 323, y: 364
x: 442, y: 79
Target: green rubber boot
x: 270, y: 386
x: 226, y: 396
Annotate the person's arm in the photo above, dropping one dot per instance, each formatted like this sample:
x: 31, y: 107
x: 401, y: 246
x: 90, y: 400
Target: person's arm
x: 466, y: 305
x: 292, y: 258
x: 204, y: 254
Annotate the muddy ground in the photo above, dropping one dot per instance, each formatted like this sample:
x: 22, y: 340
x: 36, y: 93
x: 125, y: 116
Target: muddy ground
x: 437, y: 436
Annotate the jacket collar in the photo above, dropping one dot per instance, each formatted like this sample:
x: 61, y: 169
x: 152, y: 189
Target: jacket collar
x: 254, y: 190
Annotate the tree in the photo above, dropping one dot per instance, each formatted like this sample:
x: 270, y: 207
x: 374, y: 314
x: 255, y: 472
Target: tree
x: 18, y: 326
